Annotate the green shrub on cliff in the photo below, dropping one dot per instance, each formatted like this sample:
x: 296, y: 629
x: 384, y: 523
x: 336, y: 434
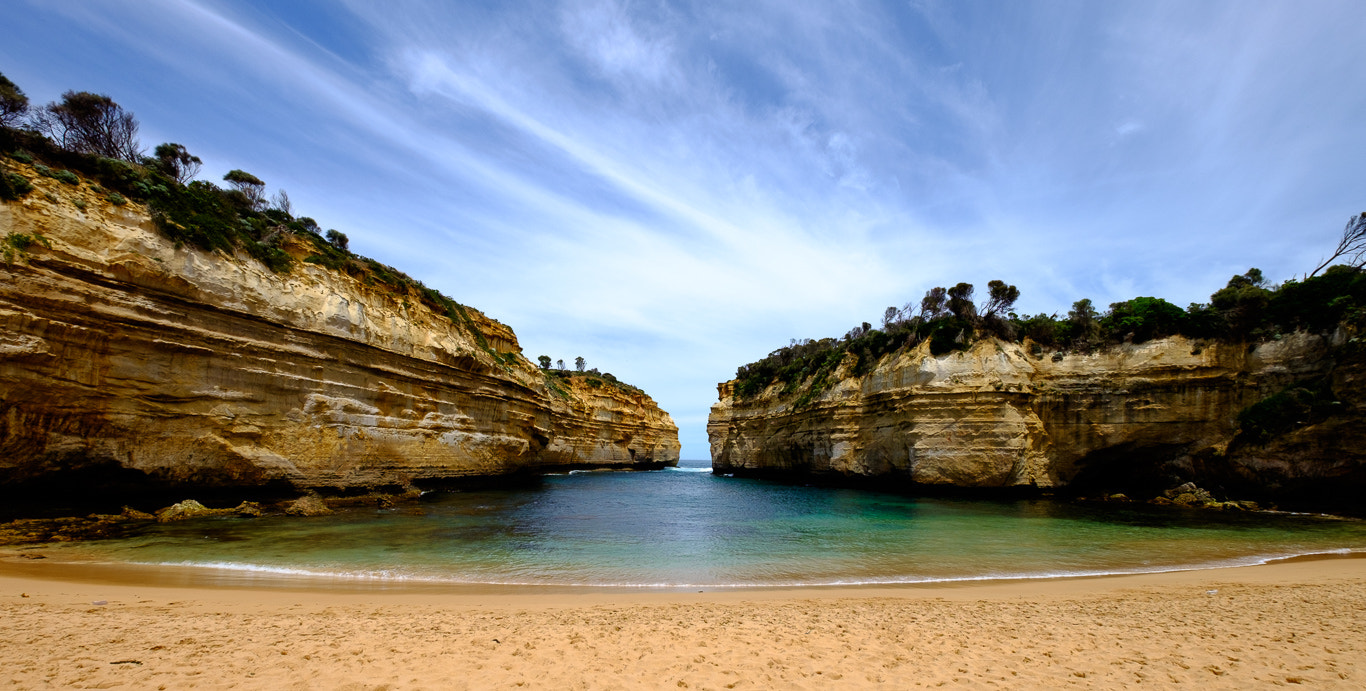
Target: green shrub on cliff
x: 16, y: 245
x: 593, y: 378
x: 948, y: 335
x: 1317, y: 303
x: 1143, y: 319
x: 1044, y: 329
x: 197, y: 215
x: 14, y: 186
x: 1242, y: 303
x: 60, y: 175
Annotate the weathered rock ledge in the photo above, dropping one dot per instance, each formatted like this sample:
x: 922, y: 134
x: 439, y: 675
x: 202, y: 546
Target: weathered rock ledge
x: 127, y: 363
x: 1132, y: 418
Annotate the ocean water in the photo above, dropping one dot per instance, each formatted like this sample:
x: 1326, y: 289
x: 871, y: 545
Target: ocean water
x: 685, y: 528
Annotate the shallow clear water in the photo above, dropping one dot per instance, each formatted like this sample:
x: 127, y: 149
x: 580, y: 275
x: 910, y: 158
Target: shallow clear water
x: 686, y: 527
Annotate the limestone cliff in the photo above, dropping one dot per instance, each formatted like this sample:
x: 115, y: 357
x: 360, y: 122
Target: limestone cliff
x: 126, y: 359
x: 1127, y: 418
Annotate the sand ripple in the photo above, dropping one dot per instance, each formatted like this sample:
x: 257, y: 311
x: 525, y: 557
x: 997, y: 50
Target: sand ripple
x: 1287, y: 624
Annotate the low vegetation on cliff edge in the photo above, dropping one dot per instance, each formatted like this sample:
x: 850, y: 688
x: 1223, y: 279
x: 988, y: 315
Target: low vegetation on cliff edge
x: 557, y: 373
x: 90, y: 136
x: 1248, y: 309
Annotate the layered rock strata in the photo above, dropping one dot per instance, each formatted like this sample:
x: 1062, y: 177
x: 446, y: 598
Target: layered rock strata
x: 1127, y: 418
x: 126, y: 359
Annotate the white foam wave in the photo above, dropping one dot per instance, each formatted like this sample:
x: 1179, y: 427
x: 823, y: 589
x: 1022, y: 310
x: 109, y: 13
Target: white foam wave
x: 395, y: 577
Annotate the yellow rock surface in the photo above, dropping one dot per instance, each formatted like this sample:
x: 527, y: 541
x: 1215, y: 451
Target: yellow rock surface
x: 119, y: 350
x: 998, y: 416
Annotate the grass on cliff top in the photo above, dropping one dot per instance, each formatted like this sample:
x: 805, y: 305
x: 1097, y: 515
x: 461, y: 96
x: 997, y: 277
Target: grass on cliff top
x: 210, y: 218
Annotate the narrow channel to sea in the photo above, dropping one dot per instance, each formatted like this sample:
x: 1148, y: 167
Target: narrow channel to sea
x: 687, y: 528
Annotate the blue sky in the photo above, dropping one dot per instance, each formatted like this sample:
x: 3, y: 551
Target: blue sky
x: 672, y: 189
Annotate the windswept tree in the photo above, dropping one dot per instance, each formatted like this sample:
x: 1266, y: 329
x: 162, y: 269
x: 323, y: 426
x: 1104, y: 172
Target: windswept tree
x: 579, y: 363
x: 280, y: 202
x: 1000, y: 298
x: 559, y: 365
x: 1084, y: 318
x: 545, y: 361
x: 251, y: 187
x: 90, y: 124
x: 890, y: 316
x: 177, y: 162
x: 960, y: 302
x: 338, y: 239
x: 1351, y: 247
x: 932, y: 305
x: 13, y: 103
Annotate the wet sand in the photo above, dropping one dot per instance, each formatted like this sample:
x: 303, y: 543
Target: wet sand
x: 1300, y: 623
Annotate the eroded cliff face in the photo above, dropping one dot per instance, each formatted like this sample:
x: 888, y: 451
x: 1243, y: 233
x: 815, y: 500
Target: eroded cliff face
x: 125, y: 358
x: 1128, y: 418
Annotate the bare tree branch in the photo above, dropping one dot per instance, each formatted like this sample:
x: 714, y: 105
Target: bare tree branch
x: 1352, y: 246
x: 92, y: 124
x: 281, y: 201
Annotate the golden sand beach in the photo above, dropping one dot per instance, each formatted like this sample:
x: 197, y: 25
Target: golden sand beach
x: 1291, y: 624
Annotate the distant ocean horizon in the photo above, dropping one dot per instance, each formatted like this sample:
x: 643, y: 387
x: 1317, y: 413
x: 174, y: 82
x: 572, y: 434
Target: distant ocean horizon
x: 687, y: 528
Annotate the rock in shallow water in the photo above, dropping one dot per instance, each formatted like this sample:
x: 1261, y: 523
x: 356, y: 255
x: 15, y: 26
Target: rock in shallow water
x: 188, y: 509
x: 309, y: 505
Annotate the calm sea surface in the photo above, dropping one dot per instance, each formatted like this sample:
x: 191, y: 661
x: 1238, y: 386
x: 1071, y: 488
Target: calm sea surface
x: 685, y: 527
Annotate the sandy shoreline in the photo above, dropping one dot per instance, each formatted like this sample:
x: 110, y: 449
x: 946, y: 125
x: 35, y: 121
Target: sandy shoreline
x: 1296, y: 623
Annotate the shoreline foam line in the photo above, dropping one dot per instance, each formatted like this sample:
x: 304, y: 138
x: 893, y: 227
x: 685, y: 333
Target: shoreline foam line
x: 251, y: 576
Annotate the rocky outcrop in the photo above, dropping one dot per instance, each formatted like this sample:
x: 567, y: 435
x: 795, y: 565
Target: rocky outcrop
x: 128, y: 361
x: 1129, y: 418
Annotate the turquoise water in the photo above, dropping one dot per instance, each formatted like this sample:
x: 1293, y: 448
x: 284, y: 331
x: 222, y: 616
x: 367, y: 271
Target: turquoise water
x: 685, y: 527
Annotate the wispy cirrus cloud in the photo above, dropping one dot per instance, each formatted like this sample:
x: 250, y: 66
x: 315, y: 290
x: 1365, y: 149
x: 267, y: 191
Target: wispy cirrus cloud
x: 615, y: 42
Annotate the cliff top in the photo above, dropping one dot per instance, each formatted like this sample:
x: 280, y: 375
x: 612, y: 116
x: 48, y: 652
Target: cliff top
x: 1247, y: 310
